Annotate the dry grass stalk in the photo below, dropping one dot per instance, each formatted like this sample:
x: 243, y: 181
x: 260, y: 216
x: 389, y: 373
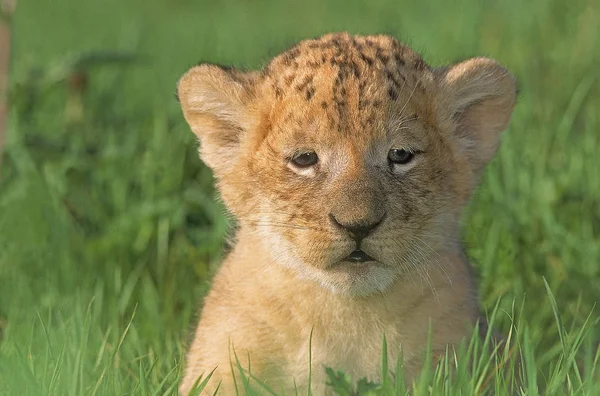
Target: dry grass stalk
x: 8, y: 8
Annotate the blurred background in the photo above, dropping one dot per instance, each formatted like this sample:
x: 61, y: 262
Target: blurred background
x: 109, y: 226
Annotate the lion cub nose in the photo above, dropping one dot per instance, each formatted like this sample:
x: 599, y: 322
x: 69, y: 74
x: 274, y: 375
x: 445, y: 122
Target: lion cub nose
x: 357, y: 231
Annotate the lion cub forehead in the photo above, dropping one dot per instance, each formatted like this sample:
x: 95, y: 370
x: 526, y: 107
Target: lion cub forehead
x: 354, y: 81
x: 342, y: 57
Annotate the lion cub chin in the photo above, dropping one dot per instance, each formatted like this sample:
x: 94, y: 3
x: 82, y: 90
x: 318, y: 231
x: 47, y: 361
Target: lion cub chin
x: 347, y: 162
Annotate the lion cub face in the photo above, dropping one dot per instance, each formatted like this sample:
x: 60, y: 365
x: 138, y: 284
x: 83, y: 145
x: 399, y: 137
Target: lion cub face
x: 349, y: 156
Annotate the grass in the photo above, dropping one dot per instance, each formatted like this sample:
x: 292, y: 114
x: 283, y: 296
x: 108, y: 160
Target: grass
x: 109, y: 230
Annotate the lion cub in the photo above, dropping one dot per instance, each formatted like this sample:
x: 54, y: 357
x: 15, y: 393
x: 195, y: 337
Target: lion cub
x: 347, y: 162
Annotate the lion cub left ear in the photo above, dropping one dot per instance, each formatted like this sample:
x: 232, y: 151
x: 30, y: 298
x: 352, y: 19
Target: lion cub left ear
x: 215, y: 101
x: 479, y: 96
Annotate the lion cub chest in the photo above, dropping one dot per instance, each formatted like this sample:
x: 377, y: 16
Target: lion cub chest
x: 353, y: 345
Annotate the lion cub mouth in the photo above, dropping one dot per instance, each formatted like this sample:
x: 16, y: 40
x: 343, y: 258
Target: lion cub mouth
x: 358, y: 256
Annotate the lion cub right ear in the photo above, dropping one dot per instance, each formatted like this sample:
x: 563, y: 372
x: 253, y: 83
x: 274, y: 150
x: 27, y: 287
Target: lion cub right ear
x: 214, y: 103
x: 478, y: 95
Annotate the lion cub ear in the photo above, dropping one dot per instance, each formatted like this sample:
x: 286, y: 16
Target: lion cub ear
x: 478, y: 95
x: 214, y: 102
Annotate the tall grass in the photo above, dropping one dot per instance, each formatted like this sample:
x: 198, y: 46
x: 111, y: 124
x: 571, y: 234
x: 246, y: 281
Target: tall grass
x: 109, y: 226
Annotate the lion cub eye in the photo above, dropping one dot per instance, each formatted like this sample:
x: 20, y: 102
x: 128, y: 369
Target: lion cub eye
x: 400, y: 156
x: 305, y: 160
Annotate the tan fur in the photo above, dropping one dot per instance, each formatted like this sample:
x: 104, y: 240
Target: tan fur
x: 350, y: 99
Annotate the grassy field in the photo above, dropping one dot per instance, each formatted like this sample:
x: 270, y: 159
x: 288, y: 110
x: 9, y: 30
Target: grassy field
x: 109, y: 230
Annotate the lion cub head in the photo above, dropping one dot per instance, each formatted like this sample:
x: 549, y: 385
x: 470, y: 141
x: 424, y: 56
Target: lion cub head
x: 349, y: 157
